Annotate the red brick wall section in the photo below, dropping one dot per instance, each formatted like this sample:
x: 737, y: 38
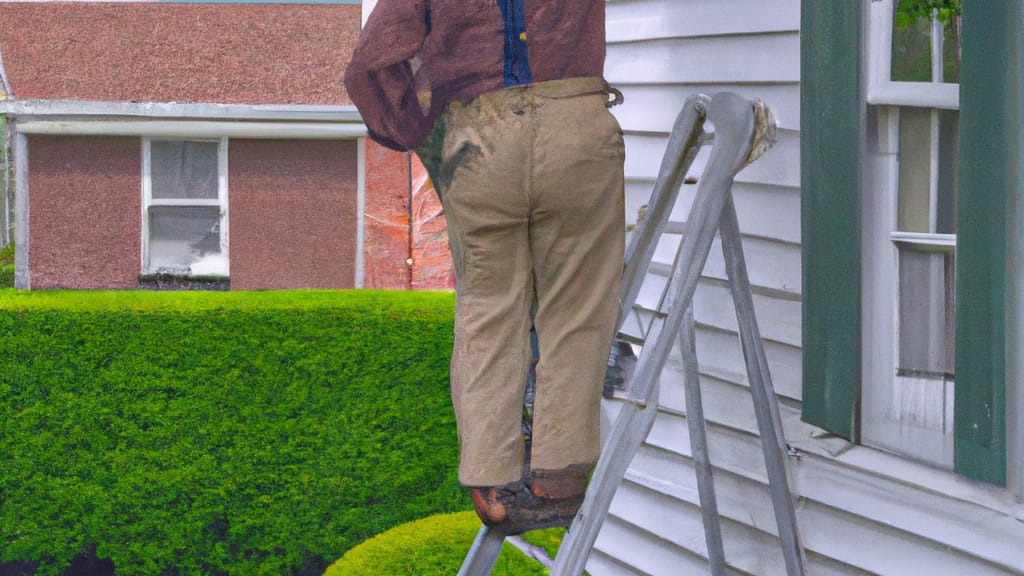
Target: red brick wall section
x: 292, y: 212
x: 405, y: 249
x: 228, y: 53
x: 85, y: 205
x: 386, y: 222
x: 432, y: 261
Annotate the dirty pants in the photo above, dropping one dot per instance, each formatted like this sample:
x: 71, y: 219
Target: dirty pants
x: 534, y: 206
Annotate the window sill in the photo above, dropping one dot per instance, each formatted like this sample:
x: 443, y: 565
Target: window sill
x: 183, y: 282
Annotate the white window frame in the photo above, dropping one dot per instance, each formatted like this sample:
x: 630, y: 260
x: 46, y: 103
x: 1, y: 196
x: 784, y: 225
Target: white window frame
x: 221, y: 201
x: 910, y: 415
x: 881, y: 89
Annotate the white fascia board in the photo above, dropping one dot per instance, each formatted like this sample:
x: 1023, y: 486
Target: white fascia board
x: 181, y: 120
x: 181, y: 110
x: 194, y: 129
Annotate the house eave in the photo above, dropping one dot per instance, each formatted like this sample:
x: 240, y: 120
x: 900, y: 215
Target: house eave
x: 184, y: 120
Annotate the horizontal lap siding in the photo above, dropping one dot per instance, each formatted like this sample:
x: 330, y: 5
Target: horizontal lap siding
x: 858, y: 514
x: 659, y: 53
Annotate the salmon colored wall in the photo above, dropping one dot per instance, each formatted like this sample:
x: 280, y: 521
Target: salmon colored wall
x: 85, y: 206
x: 292, y: 214
x: 432, y: 261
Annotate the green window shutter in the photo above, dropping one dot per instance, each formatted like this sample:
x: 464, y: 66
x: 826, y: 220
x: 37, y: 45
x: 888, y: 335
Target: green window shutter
x: 830, y: 180
x: 989, y: 120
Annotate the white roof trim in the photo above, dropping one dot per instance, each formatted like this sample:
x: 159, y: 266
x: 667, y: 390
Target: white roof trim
x: 194, y: 129
x: 182, y: 110
x: 193, y: 120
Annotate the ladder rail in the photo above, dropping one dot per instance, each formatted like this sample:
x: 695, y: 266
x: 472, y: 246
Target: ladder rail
x: 699, y: 446
x: 483, y: 554
x: 766, y: 409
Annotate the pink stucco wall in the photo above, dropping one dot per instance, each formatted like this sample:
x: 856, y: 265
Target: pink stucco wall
x: 292, y: 214
x: 85, y: 207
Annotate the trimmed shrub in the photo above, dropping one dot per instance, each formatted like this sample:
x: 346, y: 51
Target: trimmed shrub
x: 7, y: 266
x: 434, y: 546
x: 230, y: 433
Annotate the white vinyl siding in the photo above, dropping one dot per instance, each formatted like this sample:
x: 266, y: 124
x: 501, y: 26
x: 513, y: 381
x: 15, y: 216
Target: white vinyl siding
x: 659, y: 53
x: 860, y: 510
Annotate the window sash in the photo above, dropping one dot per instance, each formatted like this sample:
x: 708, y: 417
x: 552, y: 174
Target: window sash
x: 881, y: 89
x: 222, y: 265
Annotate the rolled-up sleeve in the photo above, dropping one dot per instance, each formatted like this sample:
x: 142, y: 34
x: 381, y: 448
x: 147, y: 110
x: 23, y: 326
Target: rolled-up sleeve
x: 380, y: 78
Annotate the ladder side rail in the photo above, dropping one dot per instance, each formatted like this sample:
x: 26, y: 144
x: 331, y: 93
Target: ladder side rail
x: 483, y: 554
x: 699, y: 446
x: 683, y: 145
x: 734, y: 123
x: 766, y: 406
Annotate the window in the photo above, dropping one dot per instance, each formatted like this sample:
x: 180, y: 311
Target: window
x: 865, y: 226
x: 185, y: 230
x: 909, y: 260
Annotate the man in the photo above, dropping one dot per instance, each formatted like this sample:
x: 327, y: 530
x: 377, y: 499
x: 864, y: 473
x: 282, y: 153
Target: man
x: 530, y: 174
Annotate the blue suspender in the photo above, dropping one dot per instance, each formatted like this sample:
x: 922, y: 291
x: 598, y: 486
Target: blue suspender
x: 517, y: 64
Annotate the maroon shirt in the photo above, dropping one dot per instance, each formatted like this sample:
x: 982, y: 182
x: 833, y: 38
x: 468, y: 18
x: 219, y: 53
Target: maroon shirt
x: 465, y: 48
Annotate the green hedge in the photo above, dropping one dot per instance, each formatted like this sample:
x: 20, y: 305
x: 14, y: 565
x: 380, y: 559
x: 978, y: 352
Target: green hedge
x: 434, y: 546
x: 220, y: 433
x: 7, y: 265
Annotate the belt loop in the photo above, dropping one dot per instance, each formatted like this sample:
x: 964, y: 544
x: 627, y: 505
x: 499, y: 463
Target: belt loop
x: 615, y: 93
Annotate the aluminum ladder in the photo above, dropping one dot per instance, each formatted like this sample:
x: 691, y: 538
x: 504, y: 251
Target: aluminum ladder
x: 744, y: 130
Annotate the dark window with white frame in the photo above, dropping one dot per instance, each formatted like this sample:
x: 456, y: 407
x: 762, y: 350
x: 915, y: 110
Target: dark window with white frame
x: 185, y: 208
x: 910, y: 236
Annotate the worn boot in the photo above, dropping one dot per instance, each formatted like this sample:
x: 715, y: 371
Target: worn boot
x: 568, y: 482
x: 514, y: 508
x: 549, y: 498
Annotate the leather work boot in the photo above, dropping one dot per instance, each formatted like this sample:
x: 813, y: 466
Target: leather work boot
x: 550, y: 499
x: 566, y: 482
x: 514, y: 508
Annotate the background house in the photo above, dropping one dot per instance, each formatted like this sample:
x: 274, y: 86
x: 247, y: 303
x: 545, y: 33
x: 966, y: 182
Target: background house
x: 161, y: 140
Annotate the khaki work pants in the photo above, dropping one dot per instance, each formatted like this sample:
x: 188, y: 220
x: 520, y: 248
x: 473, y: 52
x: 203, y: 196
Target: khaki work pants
x: 534, y: 205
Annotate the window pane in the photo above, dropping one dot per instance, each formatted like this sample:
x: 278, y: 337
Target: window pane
x: 915, y: 170
x: 927, y: 321
x: 920, y: 128
x: 185, y: 240
x: 951, y: 51
x: 911, y: 47
x: 184, y: 169
x: 949, y: 143
x: 912, y: 43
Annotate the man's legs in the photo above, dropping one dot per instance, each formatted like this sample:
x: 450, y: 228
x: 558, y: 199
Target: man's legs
x: 487, y: 210
x: 534, y: 209
x: 576, y: 242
